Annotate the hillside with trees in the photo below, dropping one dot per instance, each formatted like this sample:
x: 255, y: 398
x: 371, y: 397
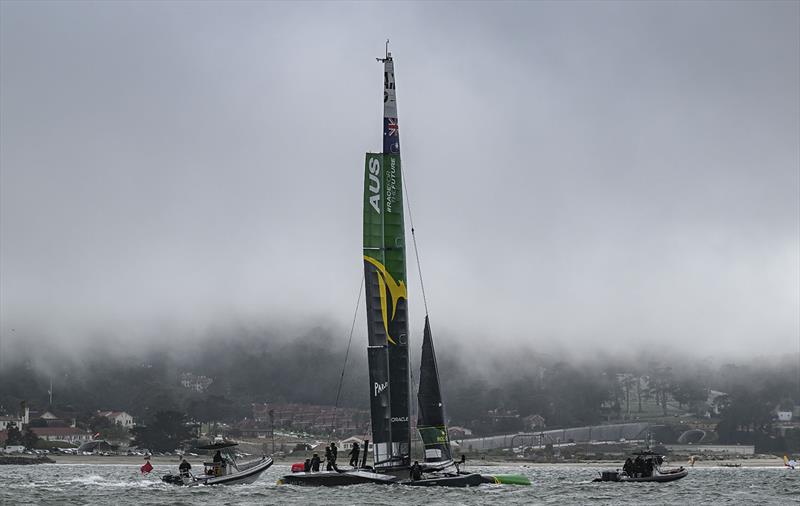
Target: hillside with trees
x: 491, y: 395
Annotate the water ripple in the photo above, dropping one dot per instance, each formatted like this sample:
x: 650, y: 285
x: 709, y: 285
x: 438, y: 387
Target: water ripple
x: 121, y: 484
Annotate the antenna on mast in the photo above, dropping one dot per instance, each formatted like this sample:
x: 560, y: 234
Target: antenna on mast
x: 388, y: 56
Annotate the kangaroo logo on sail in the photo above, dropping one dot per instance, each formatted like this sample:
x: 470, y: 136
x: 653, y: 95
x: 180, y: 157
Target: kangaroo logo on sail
x: 390, y: 292
x: 375, y: 184
x: 380, y: 387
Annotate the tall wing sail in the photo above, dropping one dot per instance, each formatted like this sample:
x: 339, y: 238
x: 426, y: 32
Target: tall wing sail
x: 387, y: 299
x: 430, y: 422
x: 377, y: 331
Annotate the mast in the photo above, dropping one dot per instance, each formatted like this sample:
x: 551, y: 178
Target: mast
x: 386, y: 294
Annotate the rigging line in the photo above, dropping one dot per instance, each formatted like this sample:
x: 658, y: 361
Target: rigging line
x: 347, y: 353
x: 416, y: 251
x: 414, y: 383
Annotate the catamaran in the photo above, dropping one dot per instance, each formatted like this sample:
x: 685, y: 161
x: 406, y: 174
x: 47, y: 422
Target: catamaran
x: 384, y: 255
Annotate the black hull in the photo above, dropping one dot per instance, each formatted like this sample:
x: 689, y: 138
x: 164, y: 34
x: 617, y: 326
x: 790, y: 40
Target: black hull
x: 458, y: 480
x: 334, y: 479
x: 656, y: 478
x: 659, y: 478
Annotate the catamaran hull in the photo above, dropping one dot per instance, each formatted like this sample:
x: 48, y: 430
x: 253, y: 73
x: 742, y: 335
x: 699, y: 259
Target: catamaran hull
x: 459, y: 480
x: 506, y: 479
x: 336, y: 479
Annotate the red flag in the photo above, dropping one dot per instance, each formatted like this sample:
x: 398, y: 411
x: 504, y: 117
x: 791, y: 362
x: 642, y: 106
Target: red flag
x: 147, y: 467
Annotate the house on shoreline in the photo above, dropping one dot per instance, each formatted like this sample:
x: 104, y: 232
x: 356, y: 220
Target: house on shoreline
x: 67, y: 434
x: 118, y: 418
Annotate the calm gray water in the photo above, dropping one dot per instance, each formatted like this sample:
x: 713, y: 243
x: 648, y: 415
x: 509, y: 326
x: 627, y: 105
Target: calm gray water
x: 122, y: 484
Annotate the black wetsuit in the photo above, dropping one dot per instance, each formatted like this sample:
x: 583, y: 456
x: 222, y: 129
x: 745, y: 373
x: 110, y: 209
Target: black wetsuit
x: 354, y: 454
x: 330, y: 456
x: 638, y: 467
x: 628, y: 467
x: 416, y: 472
x: 315, y: 464
x: 185, y: 467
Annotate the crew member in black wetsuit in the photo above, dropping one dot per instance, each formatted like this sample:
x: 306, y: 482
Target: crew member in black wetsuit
x: 628, y: 467
x: 416, y: 472
x: 638, y: 467
x: 184, y: 468
x: 354, y: 454
x: 307, y: 466
x: 330, y: 456
x: 220, y: 461
x: 315, y: 463
x: 460, y: 462
x: 335, y: 453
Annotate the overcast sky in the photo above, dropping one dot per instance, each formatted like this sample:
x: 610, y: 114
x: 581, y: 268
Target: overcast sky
x: 579, y: 173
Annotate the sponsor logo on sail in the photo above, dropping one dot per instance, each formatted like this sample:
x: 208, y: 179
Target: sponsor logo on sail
x: 399, y: 418
x: 392, y: 190
x: 391, y: 126
x: 396, y: 291
x: 375, y: 184
x: 380, y: 387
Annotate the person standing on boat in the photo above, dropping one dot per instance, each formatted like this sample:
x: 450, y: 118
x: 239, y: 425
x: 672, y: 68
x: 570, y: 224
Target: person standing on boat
x: 185, y: 467
x: 461, y: 462
x: 315, y: 463
x: 354, y: 453
x: 219, y: 462
x: 307, y: 466
x: 416, y: 471
x: 330, y: 457
x: 627, y: 468
x: 649, y: 467
x: 638, y: 466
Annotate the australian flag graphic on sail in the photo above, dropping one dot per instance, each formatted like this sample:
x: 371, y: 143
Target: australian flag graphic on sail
x: 391, y: 135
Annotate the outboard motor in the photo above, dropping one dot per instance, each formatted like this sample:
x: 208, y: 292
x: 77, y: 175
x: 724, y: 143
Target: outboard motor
x: 609, y: 476
x: 298, y: 467
x: 173, y: 479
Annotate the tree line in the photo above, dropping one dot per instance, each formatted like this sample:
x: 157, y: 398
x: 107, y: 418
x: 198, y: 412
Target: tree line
x: 492, y: 394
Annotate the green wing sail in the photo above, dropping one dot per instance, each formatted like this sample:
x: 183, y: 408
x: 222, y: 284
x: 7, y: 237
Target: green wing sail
x: 387, y: 309
x: 377, y: 352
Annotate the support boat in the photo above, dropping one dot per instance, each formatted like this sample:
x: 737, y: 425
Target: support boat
x: 226, y: 472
